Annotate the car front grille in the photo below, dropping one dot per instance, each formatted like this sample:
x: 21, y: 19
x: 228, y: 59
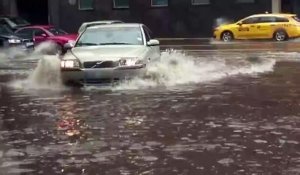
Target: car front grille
x: 100, y: 64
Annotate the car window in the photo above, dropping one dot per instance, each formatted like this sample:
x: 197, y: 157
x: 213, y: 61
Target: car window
x: 147, y: 35
x: 296, y: 18
x: 149, y: 32
x: 3, y: 22
x: 56, y: 31
x: 281, y: 19
x: 39, y: 32
x: 266, y: 19
x: 5, y: 30
x: 251, y: 20
x: 18, y: 21
x: 111, y: 36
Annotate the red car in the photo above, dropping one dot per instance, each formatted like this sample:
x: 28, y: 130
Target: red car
x: 43, y: 33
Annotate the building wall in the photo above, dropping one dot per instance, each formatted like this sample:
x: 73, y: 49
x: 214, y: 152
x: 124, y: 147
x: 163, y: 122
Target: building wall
x: 8, y: 7
x: 296, y: 7
x: 179, y: 19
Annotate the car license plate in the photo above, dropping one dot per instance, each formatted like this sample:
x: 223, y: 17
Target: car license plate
x: 29, y: 44
x: 98, y: 74
x: 92, y: 74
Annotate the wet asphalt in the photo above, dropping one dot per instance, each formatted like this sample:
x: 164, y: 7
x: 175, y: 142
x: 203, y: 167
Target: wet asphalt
x: 236, y: 112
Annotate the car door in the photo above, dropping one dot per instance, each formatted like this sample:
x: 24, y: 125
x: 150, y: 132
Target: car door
x: 154, y: 51
x: 40, y: 35
x: 264, y: 27
x: 247, y: 28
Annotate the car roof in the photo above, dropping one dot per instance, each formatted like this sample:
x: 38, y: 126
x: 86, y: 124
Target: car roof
x: 95, y: 23
x: 118, y: 25
x: 103, y: 22
x: 274, y: 14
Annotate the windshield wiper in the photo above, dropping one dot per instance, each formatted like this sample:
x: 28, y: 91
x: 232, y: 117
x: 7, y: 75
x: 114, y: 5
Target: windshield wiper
x: 115, y: 44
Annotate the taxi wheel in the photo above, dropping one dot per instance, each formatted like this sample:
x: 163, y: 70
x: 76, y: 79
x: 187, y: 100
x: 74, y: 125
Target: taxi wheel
x: 227, y: 36
x: 280, y: 35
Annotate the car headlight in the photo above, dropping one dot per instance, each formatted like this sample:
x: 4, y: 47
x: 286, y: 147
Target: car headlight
x: 130, y: 62
x: 69, y: 64
x: 71, y: 42
x: 14, y: 41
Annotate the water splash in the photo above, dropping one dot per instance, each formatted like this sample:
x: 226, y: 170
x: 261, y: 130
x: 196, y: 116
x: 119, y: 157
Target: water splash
x: 177, y: 68
x: 222, y: 21
x: 47, y: 47
x: 3, y: 58
x: 45, y: 74
x: 174, y: 68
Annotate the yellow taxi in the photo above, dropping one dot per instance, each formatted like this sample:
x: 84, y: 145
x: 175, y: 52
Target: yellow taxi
x: 279, y: 27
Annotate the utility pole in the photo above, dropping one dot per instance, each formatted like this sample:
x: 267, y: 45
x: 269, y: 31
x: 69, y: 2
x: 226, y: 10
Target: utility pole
x: 276, y: 6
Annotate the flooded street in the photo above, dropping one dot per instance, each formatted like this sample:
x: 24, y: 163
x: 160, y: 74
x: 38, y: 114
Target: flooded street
x: 212, y: 108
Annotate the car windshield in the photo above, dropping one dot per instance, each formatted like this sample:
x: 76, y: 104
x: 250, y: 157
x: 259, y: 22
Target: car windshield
x: 5, y: 30
x: 111, y: 36
x: 56, y: 31
x: 19, y: 21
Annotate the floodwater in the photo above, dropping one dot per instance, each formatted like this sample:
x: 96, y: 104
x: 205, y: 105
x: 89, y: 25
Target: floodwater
x: 213, y: 108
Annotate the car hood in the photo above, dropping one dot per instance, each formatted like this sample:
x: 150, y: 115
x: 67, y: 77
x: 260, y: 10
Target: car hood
x: 113, y: 53
x: 10, y: 36
x: 64, y: 37
x: 23, y: 36
x: 227, y: 25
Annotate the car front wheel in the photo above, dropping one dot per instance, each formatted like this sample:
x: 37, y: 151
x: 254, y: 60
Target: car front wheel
x: 227, y: 36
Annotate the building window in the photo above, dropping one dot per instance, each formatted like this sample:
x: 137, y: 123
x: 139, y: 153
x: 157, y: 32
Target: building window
x: 200, y: 2
x: 159, y: 3
x: 244, y: 1
x: 121, y: 3
x: 86, y: 4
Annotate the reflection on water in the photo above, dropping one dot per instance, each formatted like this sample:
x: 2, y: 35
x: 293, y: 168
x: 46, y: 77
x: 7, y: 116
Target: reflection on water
x: 238, y: 124
x: 70, y: 124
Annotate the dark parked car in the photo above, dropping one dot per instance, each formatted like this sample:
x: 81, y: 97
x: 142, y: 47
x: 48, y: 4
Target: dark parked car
x: 10, y: 39
x: 13, y: 23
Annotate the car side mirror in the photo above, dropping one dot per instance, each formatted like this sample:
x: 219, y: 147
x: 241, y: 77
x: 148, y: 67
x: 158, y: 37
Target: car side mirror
x: 44, y: 35
x: 69, y: 45
x: 240, y: 23
x: 153, y: 42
